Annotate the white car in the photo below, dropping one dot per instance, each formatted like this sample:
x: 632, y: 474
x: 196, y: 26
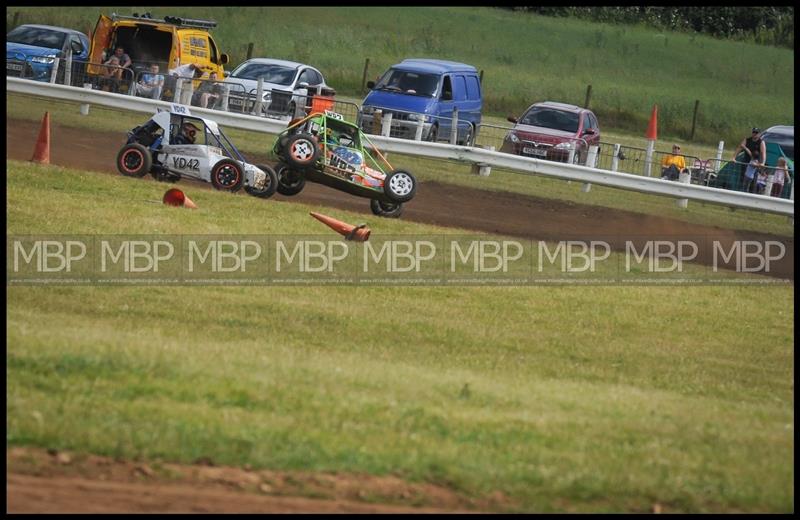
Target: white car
x: 175, y: 144
x: 284, y: 86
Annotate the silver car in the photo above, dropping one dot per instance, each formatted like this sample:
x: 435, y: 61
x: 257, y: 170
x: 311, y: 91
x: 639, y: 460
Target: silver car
x: 284, y: 86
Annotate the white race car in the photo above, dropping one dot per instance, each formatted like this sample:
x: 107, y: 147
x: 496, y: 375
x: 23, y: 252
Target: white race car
x: 175, y: 144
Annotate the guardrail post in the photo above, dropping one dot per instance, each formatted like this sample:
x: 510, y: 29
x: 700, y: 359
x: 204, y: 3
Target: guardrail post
x: 225, y: 92
x: 648, y: 158
x: 68, y: 67
x: 178, y: 87
x: 377, y: 117
x: 419, y: 129
x: 720, y: 149
x: 482, y: 169
x: 364, y: 76
x: 54, y: 70
x: 615, y: 158
x: 591, y: 160
x: 259, y: 96
x: 684, y: 178
x: 386, y: 124
x: 454, y: 127
x: 571, y: 156
x: 84, y: 108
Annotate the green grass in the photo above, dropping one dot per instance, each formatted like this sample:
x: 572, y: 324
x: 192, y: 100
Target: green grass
x: 563, y: 398
x: 525, y: 58
x: 100, y: 119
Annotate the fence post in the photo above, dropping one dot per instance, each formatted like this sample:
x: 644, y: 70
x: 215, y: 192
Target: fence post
x: 84, y: 108
x: 259, y: 96
x: 615, y: 158
x: 684, y: 178
x: 591, y: 161
x: 454, y: 127
x: 720, y: 149
x: 480, y: 77
x: 377, y: 117
x: 15, y: 23
x: 482, y: 169
x: 249, y: 50
x: 588, y: 96
x: 694, y: 118
x: 386, y: 124
x: 648, y: 158
x: 178, y: 88
x: 364, y: 76
x: 68, y: 67
x: 54, y: 70
x: 420, y: 128
x: 225, y: 93
x: 187, y: 92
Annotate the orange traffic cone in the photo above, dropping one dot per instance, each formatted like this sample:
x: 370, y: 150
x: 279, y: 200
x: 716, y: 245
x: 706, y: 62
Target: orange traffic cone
x: 358, y: 233
x: 41, y: 153
x: 652, y: 128
x: 175, y: 197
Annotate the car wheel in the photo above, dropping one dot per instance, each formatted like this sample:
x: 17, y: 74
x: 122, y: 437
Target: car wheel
x: 301, y: 151
x: 290, y: 182
x: 227, y: 175
x: 433, y: 134
x: 400, y: 186
x: 576, y: 159
x: 270, y: 184
x: 134, y: 160
x: 386, y: 209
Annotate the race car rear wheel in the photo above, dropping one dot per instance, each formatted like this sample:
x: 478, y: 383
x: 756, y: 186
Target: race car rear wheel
x: 400, y: 186
x: 290, y: 182
x: 386, y: 209
x: 227, y: 175
x: 270, y: 184
x: 134, y: 160
x: 301, y: 150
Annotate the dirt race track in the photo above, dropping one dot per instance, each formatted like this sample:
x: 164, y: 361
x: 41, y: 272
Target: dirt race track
x: 435, y: 203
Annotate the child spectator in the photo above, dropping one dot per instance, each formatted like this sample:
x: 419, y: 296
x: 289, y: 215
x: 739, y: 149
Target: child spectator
x: 780, y: 177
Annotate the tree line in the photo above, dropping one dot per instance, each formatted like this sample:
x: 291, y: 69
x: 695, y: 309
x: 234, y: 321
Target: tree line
x: 766, y: 25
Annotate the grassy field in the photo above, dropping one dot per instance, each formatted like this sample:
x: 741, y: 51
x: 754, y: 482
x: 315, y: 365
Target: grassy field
x: 563, y: 399
x: 31, y: 108
x: 525, y: 58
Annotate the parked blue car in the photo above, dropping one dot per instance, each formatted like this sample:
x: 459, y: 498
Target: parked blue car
x: 31, y: 50
x: 426, y: 90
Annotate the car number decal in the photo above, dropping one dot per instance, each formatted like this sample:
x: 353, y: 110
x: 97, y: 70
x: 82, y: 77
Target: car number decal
x: 186, y: 164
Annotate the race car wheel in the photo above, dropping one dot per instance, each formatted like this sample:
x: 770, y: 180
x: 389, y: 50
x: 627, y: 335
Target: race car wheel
x: 386, y: 209
x: 270, y: 184
x: 134, y: 160
x: 290, y: 182
x: 400, y: 186
x: 227, y: 175
x: 301, y: 150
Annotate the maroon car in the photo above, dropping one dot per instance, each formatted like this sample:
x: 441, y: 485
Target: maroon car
x: 552, y: 131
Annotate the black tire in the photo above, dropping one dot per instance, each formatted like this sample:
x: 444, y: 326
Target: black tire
x: 227, y: 175
x: 270, y: 185
x: 301, y: 151
x: 433, y: 134
x: 134, y: 160
x: 400, y: 186
x: 386, y: 209
x: 290, y: 182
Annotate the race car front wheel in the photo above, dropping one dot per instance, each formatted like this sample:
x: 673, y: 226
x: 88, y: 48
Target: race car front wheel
x: 301, y: 150
x: 386, y: 209
x: 134, y: 160
x: 270, y: 184
x: 227, y: 175
x: 290, y: 182
x: 400, y: 186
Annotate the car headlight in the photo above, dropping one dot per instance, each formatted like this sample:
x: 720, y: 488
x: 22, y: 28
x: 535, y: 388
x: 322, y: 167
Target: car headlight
x: 47, y: 60
x: 368, y: 110
x: 419, y: 117
x: 267, y: 96
x: 513, y: 138
x: 564, y: 146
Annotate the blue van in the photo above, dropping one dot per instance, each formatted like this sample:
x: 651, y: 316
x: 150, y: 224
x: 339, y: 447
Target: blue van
x: 426, y: 90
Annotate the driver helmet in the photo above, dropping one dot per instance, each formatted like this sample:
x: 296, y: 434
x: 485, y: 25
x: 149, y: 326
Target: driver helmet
x: 190, y: 130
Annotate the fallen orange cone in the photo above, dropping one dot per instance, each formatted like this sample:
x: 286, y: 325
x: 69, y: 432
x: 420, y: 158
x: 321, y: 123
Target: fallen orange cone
x: 358, y: 233
x: 175, y: 197
x: 41, y: 153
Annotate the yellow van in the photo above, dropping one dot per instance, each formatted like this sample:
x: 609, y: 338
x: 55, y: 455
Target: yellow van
x: 168, y: 42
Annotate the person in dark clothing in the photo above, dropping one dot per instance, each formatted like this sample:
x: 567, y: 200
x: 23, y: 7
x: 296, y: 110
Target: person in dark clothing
x: 756, y: 156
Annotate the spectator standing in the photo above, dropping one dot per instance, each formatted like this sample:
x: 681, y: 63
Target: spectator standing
x: 673, y: 164
x: 151, y: 83
x: 756, y: 151
x: 780, y: 177
x: 190, y: 70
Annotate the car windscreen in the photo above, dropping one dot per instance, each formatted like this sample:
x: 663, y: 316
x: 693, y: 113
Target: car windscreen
x: 407, y: 82
x: 37, y: 37
x: 551, y: 118
x: 271, y: 73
